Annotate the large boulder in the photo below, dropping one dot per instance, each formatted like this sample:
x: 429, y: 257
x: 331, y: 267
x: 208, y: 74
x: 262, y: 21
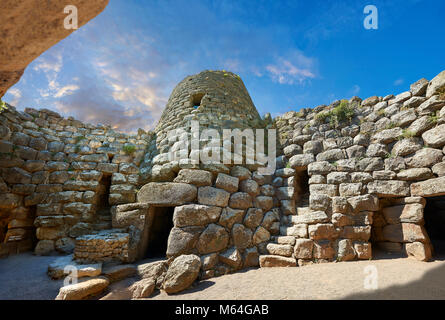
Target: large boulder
x: 167, y: 193
x: 195, y: 215
x: 430, y: 188
x: 214, y: 238
x: 436, y: 84
x: 32, y: 30
x: 83, y: 289
x: 182, y: 272
x: 57, y: 269
x: 197, y: 177
x: 435, y: 137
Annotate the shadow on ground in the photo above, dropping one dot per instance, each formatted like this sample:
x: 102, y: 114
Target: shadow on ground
x: 430, y: 287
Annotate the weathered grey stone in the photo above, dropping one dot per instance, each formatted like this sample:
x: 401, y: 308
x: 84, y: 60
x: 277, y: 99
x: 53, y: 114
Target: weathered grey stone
x: 214, y: 238
x: 284, y: 250
x: 415, y: 174
x: 387, y: 136
x: 56, y: 270
x: 253, y: 218
x: 240, y: 172
x: 326, y: 189
x: 389, y: 188
x: 322, y: 231
x: 433, y: 104
x: 310, y: 217
x: 242, y: 236
x: 424, y: 158
x: 142, y: 288
x: 44, y: 247
x: 404, y: 232
x: 429, y: 188
x: 251, y: 257
x: 435, y: 137
x: 323, y: 249
x: 400, y: 98
x: 260, y: 235
x: 213, y: 196
x: 407, y: 146
x: 249, y: 186
x: 439, y: 169
x: 263, y: 202
x: 226, y: 182
x: 168, y: 194
x: 301, y: 161
x: 350, y: 189
x: 231, y: 216
x: 345, y: 250
x: 195, y: 215
x: 182, y: 240
x: 418, y: 250
x: 435, y: 84
x: 240, y: 200
x: 292, y: 150
x: 197, y: 177
x: 331, y: 155
x: 231, y: 257
x: 364, y: 202
x: 119, y: 272
x: 418, y: 88
x: 412, y: 213
x: 83, y: 290
x: 276, y: 261
x: 181, y: 273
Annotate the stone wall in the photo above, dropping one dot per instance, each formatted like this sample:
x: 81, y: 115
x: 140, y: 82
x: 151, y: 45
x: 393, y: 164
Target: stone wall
x: 350, y: 176
x: 370, y: 163
x: 60, y: 176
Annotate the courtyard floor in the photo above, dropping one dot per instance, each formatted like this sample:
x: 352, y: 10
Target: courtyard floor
x: 24, y: 277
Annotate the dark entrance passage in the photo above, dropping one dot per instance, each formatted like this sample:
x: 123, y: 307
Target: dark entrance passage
x: 159, y: 232
x: 302, y: 188
x: 434, y: 216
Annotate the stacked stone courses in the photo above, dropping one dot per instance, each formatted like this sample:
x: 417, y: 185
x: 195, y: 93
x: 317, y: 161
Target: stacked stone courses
x: 350, y: 177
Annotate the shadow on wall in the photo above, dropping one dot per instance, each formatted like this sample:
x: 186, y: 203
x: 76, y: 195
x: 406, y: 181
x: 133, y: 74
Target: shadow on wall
x: 430, y: 286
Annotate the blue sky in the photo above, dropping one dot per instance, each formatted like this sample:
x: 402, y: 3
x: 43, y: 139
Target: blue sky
x: 120, y: 68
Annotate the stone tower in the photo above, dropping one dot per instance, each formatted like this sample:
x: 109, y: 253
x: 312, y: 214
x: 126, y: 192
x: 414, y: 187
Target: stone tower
x: 216, y: 98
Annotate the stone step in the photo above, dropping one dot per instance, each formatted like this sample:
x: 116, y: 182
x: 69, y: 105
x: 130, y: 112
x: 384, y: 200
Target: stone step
x: 299, y: 231
x: 284, y: 250
x: 284, y: 240
x: 104, y: 218
x: 310, y: 217
x: 267, y: 261
x: 105, y: 225
x: 303, y: 210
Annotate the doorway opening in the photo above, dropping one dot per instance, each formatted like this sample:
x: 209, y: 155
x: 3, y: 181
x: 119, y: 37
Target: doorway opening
x: 161, y: 226
x: 384, y: 245
x: 103, y: 213
x: 434, y: 216
x: 302, y: 188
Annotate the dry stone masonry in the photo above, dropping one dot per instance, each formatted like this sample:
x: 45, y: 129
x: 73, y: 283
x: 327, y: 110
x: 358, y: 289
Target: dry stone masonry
x: 350, y: 177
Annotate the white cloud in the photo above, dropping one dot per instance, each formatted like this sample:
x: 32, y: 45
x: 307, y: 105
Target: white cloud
x: 399, y: 82
x: 355, y: 90
x: 295, y: 69
x: 16, y: 95
x: 66, y: 90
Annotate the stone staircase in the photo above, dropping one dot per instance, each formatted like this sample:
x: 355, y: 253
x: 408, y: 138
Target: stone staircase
x: 281, y: 248
x: 103, y: 220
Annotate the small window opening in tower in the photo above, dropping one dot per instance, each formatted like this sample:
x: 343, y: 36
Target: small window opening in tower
x: 196, y: 100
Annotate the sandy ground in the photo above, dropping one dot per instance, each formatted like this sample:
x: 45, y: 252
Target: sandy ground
x: 24, y: 277
x: 400, y: 278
